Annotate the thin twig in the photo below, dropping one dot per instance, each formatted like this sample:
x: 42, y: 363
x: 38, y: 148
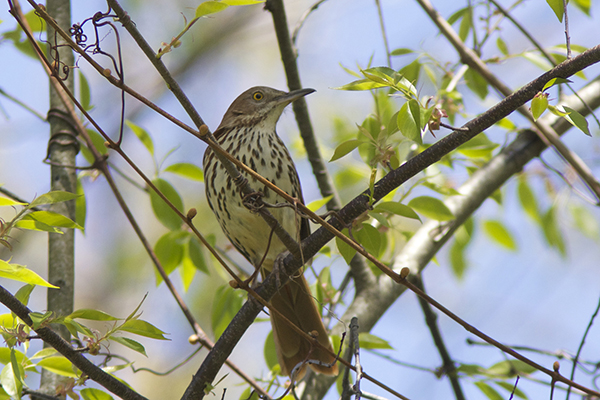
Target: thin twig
x: 567, y: 36
x: 581, y: 343
x: 301, y: 22
x: 448, y: 365
x: 20, y: 103
x: 383, y: 33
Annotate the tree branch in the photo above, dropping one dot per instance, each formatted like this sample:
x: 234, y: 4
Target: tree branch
x: 360, y: 204
x: 424, y: 244
x: 545, y: 132
x: 63, y: 347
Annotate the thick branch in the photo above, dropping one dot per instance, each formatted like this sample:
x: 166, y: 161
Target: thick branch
x: 424, y: 244
x: 318, y: 239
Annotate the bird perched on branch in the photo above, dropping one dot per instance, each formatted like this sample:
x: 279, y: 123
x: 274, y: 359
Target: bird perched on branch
x: 247, y: 132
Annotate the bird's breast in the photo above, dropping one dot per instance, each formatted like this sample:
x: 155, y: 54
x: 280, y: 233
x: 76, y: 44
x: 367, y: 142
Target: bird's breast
x: 265, y: 153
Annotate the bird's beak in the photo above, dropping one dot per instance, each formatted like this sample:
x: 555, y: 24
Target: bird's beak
x: 294, y: 95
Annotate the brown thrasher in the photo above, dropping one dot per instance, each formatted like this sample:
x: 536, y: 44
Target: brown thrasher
x: 247, y: 132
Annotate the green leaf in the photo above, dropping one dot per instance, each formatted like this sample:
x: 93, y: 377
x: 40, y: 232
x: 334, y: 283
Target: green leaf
x: 411, y: 71
x: 187, y: 271
x: 196, y: 254
x: 552, y: 232
x: 33, y: 225
x: 345, y: 147
x: 85, y: 97
x: 269, y: 352
x: 317, y: 204
x: 539, y: 104
x: 537, y: 60
x: 476, y: 83
x: 227, y: 303
x: 488, y: 391
x: 556, y: 111
x: 397, y: 208
x: 60, y: 366
x: 7, y: 353
x: 415, y: 111
x: 23, y: 293
x: 4, y: 201
x: 401, y: 51
x: 80, y: 205
x: 583, y: 5
x: 111, y: 369
x: 370, y: 238
x: 210, y: 7
x: 163, y: 212
x: 8, y: 321
x: 457, y: 259
x: 502, y: 46
x: 509, y: 369
x: 169, y: 249
x: 36, y: 23
x: 369, y: 341
x: 130, y: 343
x: 94, y: 315
x: 94, y: 394
x: 585, y: 221
x: 407, y: 125
x: 507, y: 124
x: 9, y: 378
x: 99, y: 144
x: 465, y: 24
x: 499, y: 234
x: 345, y: 249
x: 56, y: 196
x: 558, y: 7
x: 38, y: 318
x: 361, y: 84
x: 457, y: 15
x: 382, y: 75
x: 555, y: 81
x: 22, y: 274
x: 75, y: 327
x: 143, y: 328
x: 431, y: 208
x: 470, y: 369
x: 51, y: 218
x: 577, y: 120
x: 527, y: 199
x: 478, y: 147
x: 187, y: 170
x: 48, y: 351
x: 142, y: 135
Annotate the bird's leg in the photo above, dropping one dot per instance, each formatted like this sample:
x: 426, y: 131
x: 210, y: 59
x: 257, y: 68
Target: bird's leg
x: 277, y: 268
x: 259, y: 266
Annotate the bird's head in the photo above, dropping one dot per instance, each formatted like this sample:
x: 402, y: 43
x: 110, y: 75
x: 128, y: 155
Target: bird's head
x: 260, y: 105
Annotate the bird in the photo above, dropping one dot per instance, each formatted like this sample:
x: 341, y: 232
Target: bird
x: 247, y: 132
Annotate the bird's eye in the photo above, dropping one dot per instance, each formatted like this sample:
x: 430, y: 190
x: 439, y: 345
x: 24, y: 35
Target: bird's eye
x: 258, y: 96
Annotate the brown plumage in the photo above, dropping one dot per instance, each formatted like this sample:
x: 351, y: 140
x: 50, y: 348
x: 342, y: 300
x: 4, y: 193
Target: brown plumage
x: 247, y: 132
